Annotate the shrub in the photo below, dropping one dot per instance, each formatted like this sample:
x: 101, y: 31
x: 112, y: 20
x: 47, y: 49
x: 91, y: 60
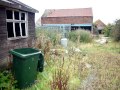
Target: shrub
x: 85, y: 36
x: 73, y: 36
x: 52, y: 34
x: 54, y: 37
x: 107, y: 30
x: 7, y: 81
x: 116, y: 30
x: 80, y: 35
x: 47, y: 39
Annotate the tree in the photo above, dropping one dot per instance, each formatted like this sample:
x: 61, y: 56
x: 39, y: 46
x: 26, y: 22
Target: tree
x: 107, y: 30
x: 116, y: 30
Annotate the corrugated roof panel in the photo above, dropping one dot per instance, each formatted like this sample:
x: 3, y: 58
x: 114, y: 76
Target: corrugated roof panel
x: 70, y: 12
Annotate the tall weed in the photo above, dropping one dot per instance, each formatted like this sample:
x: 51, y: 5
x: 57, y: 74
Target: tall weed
x: 80, y: 36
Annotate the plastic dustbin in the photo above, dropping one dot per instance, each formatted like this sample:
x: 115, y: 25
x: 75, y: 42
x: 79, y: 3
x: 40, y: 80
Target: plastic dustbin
x: 40, y: 63
x: 64, y: 42
x: 25, y: 64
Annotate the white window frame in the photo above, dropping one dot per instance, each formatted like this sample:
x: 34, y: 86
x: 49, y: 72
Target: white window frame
x: 18, y: 21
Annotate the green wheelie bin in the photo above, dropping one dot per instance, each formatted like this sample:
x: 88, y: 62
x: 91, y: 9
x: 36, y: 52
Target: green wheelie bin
x: 25, y: 65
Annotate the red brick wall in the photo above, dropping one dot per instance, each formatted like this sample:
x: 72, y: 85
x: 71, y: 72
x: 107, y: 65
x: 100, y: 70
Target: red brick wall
x: 66, y: 20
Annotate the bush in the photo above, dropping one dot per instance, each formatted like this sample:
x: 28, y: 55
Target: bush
x: 54, y: 37
x: 107, y: 30
x: 80, y: 35
x: 73, y: 36
x: 52, y: 34
x: 7, y: 81
x: 116, y: 31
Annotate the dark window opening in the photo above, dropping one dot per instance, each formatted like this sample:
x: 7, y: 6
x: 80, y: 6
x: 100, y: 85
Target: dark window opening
x: 81, y: 27
x: 9, y: 14
x: 23, y: 29
x: 16, y: 15
x: 100, y: 31
x: 86, y: 27
x: 22, y: 16
x: 10, y: 29
x: 74, y: 27
x: 17, y: 29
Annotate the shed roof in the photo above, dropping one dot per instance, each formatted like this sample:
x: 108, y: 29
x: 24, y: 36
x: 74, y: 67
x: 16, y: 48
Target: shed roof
x: 17, y: 5
x: 68, y: 12
x: 99, y: 24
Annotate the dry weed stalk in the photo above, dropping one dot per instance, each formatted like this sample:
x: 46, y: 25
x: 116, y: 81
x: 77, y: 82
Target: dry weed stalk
x: 44, y: 44
x: 60, y: 78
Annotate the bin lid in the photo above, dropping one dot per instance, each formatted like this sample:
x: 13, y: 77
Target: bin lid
x: 24, y: 52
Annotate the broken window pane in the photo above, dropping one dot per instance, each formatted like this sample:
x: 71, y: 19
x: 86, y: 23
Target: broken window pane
x: 23, y: 29
x: 22, y: 16
x: 9, y: 14
x: 10, y: 29
x: 16, y: 14
x: 17, y: 29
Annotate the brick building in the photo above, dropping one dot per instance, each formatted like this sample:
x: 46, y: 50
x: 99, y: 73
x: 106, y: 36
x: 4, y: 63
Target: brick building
x: 68, y: 18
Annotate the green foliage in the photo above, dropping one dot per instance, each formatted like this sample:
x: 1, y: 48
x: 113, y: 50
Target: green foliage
x: 85, y: 36
x: 7, y: 81
x: 52, y: 34
x: 72, y: 74
x: 53, y: 37
x: 107, y: 30
x: 116, y: 31
x: 73, y: 36
x: 80, y: 35
x: 113, y: 30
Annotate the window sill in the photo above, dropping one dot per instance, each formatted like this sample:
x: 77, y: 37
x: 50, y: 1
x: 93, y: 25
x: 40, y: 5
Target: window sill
x: 15, y: 38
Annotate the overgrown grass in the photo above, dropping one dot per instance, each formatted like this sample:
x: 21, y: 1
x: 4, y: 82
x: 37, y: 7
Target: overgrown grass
x: 111, y: 47
x: 52, y: 35
x: 68, y: 69
x: 80, y: 36
x: 104, y: 60
x: 106, y: 68
x: 60, y: 73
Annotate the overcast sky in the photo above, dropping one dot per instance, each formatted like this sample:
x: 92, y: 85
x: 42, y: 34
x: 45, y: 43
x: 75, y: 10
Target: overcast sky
x: 106, y: 10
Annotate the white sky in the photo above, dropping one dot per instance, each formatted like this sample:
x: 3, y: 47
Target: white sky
x: 105, y: 10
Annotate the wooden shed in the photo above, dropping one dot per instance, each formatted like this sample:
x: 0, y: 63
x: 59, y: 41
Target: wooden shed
x: 17, y: 27
x: 100, y: 25
x: 68, y: 18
